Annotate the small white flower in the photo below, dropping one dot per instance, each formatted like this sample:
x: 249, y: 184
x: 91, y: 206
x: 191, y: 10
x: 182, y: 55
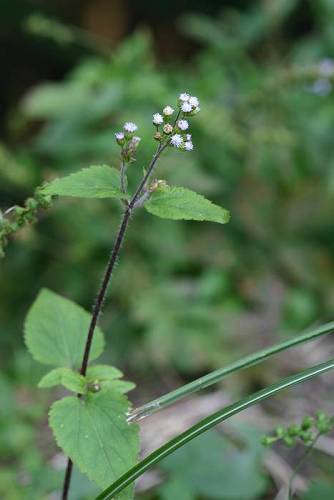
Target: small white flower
x: 176, y: 140
x: 168, y: 111
x: 136, y: 140
x: 184, y: 96
x: 130, y: 127
x: 119, y: 136
x: 183, y: 124
x: 186, y: 107
x: 194, y: 101
x: 188, y: 137
x: 188, y: 146
x: 158, y: 119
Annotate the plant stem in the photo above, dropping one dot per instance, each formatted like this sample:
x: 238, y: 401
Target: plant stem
x: 217, y: 375
x: 305, y: 455
x: 67, y: 479
x: 104, y: 288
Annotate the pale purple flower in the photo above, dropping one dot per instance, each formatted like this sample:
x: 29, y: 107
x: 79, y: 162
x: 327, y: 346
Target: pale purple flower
x: 119, y: 136
x: 186, y: 107
x: 184, y: 96
x: 176, y: 140
x: 183, y: 124
x: 193, y: 101
x: 188, y: 146
x: 130, y: 127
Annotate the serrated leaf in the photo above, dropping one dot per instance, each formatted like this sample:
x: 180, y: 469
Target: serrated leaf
x: 180, y: 203
x: 73, y: 381
x: 93, y: 182
x: 102, y: 372
x: 94, y: 433
x: 56, y: 330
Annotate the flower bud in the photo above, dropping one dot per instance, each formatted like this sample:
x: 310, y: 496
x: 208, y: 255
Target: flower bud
x: 158, y: 136
x: 168, y: 129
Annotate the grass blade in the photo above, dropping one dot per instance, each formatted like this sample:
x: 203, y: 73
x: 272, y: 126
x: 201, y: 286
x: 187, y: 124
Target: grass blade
x: 206, y: 424
x: 217, y: 375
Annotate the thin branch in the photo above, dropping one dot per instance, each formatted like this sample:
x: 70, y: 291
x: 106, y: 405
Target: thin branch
x: 104, y: 287
x: 303, y: 459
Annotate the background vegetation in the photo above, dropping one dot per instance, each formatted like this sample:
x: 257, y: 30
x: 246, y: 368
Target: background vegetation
x: 186, y: 298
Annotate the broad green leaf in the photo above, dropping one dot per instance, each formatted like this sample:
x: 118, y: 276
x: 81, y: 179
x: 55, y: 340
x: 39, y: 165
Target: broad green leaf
x: 94, y: 433
x: 73, y: 381
x: 102, y: 372
x: 93, y: 182
x: 180, y: 203
x: 56, y: 330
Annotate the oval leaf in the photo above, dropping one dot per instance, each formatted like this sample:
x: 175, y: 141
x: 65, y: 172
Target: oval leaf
x: 102, y: 372
x: 56, y: 330
x: 66, y: 377
x: 180, y: 203
x: 95, y: 434
x: 93, y: 182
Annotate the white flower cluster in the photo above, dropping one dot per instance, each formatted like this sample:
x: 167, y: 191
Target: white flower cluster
x: 173, y: 129
x: 128, y: 140
x: 129, y: 128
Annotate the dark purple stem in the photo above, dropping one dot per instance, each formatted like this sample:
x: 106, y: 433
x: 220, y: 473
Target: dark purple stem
x: 104, y: 287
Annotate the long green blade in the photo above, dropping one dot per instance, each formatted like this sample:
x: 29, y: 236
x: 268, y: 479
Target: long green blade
x: 206, y: 424
x: 217, y: 375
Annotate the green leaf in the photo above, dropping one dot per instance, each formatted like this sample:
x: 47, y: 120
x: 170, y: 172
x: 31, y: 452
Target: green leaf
x: 122, y: 386
x: 56, y: 330
x: 180, y: 203
x: 93, y: 182
x: 208, y: 423
x: 108, y: 377
x: 102, y: 372
x: 94, y: 433
x: 217, y: 375
x: 73, y: 381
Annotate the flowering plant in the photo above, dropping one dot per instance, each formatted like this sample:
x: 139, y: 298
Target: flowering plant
x: 55, y: 327
x: 95, y: 426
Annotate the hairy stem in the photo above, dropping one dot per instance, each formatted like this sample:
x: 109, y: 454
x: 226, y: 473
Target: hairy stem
x: 104, y: 287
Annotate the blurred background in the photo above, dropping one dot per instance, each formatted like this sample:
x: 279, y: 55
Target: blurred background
x: 187, y: 297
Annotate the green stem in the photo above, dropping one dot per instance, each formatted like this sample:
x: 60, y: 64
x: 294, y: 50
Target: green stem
x: 303, y: 459
x: 217, y: 375
x: 206, y: 424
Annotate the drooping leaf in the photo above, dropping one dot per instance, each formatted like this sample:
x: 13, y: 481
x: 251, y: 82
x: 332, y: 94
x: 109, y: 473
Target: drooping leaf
x: 56, y: 330
x: 73, y: 381
x: 93, y: 182
x: 180, y: 203
x: 94, y: 433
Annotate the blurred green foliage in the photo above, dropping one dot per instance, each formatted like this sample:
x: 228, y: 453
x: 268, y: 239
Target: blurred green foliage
x: 186, y: 296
